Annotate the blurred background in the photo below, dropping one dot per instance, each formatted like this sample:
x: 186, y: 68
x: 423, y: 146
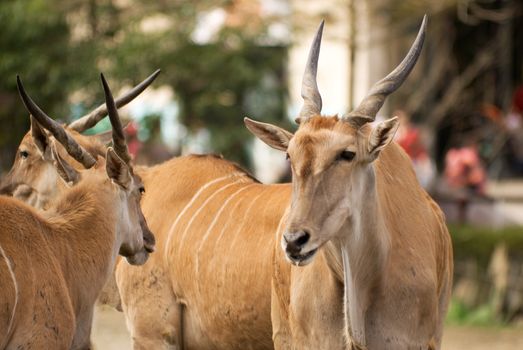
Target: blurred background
x: 461, y: 108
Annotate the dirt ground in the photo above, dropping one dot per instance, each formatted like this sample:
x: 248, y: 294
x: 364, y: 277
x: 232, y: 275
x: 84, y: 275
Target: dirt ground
x: 110, y: 333
x: 474, y: 338
x: 109, y: 330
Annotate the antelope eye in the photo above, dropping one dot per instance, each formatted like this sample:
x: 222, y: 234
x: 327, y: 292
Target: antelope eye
x: 24, y: 154
x: 142, y: 190
x: 346, y: 155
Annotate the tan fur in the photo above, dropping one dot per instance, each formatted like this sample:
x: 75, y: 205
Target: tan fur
x: 382, y: 273
x: 217, y: 291
x: 35, y: 181
x: 216, y: 262
x: 60, y: 260
x: 153, y: 295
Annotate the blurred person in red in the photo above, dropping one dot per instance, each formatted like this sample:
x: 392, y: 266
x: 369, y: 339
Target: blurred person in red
x: 133, y: 143
x: 464, y: 170
x: 409, y: 137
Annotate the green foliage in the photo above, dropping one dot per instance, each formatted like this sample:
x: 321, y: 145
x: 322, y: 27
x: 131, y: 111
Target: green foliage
x: 60, y: 46
x: 34, y: 44
x: 217, y: 83
x: 460, y: 314
x: 479, y: 242
x: 246, y: 81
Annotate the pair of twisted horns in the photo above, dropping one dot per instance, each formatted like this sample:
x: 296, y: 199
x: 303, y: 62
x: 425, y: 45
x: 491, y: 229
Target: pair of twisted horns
x: 372, y: 103
x: 61, y: 135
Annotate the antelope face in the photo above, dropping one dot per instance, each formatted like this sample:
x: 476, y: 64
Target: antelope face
x: 137, y: 241
x: 330, y: 156
x: 322, y: 154
x: 330, y: 159
x: 33, y: 169
x: 33, y: 177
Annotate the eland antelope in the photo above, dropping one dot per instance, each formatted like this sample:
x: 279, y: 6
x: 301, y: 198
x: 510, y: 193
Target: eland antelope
x: 209, y: 284
x: 53, y: 264
x: 371, y: 255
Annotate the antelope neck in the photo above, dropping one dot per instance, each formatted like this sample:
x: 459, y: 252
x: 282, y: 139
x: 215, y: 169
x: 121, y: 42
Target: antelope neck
x: 84, y: 238
x: 360, y: 251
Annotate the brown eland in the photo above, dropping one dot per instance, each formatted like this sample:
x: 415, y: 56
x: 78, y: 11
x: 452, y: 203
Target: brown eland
x: 33, y: 177
x: 209, y: 284
x: 371, y: 255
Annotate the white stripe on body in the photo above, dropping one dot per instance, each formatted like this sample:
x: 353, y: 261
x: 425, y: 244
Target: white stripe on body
x: 199, y: 210
x: 231, y: 245
x: 246, y: 214
x: 211, y: 226
x: 189, y: 204
x: 11, y: 272
x: 231, y: 213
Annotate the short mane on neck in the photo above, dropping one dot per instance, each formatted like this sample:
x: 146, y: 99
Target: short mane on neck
x: 86, y: 200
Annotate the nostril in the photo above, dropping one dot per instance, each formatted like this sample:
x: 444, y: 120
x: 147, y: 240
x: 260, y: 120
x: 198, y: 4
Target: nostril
x: 295, y: 241
x: 303, y: 239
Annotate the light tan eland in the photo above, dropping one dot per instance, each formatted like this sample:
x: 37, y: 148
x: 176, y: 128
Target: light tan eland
x: 53, y: 264
x: 209, y: 284
x: 165, y: 305
x: 371, y: 255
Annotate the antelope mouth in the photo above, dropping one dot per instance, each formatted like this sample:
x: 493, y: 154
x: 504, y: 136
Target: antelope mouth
x: 138, y: 259
x: 149, y: 248
x: 8, y: 188
x: 302, y: 259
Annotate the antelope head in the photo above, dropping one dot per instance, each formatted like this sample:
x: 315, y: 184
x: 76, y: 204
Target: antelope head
x: 32, y: 172
x: 138, y: 240
x: 125, y: 187
x: 33, y: 178
x: 331, y: 157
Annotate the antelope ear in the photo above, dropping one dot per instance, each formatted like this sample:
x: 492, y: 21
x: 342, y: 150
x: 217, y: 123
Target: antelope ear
x: 272, y: 135
x: 64, y: 169
x: 381, y: 136
x: 40, y: 137
x: 116, y: 169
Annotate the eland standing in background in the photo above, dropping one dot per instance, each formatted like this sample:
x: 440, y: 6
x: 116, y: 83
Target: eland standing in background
x: 371, y: 255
